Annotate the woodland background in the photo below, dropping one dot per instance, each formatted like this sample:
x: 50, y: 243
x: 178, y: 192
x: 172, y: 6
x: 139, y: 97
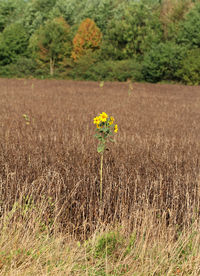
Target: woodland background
x: 146, y: 40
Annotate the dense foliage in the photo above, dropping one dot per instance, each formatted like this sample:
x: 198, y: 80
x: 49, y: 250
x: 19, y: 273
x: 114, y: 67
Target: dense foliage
x: 51, y: 43
x: 88, y: 37
x: 141, y: 40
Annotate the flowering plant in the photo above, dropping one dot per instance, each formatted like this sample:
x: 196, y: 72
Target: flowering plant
x: 27, y: 119
x: 105, y: 129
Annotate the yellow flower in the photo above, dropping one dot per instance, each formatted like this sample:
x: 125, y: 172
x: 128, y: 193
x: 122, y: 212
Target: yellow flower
x: 103, y: 116
x: 96, y: 120
x: 111, y: 120
x: 116, y: 128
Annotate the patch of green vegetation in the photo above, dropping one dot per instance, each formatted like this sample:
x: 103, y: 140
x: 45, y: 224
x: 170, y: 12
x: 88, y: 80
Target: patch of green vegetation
x: 107, y: 244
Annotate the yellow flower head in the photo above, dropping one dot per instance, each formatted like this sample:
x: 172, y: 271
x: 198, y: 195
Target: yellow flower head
x: 111, y: 120
x: 116, y: 128
x: 103, y: 117
x: 96, y: 120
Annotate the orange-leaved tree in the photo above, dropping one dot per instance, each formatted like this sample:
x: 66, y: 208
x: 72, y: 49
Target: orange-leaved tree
x: 88, y: 37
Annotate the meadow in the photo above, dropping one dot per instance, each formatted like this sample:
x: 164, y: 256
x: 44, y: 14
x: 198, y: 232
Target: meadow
x: 51, y: 219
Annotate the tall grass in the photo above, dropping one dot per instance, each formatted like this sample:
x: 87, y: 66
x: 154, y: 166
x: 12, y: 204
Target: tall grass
x: 49, y: 184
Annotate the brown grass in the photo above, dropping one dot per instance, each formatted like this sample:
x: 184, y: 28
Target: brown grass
x: 49, y: 169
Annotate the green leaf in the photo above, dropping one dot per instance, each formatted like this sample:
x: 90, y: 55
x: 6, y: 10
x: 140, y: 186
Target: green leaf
x: 100, y: 148
x: 106, y: 129
x: 98, y: 136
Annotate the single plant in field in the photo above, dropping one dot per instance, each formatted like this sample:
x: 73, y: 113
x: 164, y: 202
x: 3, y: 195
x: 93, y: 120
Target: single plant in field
x: 105, y: 129
x: 101, y: 84
x: 27, y: 119
x: 130, y: 87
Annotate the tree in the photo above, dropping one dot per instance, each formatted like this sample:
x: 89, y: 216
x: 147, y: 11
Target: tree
x: 88, y: 37
x: 190, y: 28
x: 162, y: 62
x: 36, y: 14
x: 99, y: 11
x: 189, y: 72
x: 132, y: 31
x: 172, y: 13
x: 10, y: 12
x: 75, y: 11
x: 68, y: 9
x: 51, y: 43
x: 13, y: 43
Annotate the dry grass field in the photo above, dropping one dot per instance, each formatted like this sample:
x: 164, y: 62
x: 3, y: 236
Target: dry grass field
x: 52, y: 222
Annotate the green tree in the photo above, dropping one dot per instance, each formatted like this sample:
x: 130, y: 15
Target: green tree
x: 172, y: 13
x: 10, y: 12
x: 132, y: 31
x: 99, y: 11
x: 13, y: 43
x: 75, y: 11
x: 70, y: 10
x: 189, y: 33
x: 51, y: 43
x: 162, y: 62
x: 36, y: 14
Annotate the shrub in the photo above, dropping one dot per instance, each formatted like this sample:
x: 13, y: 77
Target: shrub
x: 21, y: 68
x: 107, y: 70
x: 125, y: 69
x: 162, y: 62
x: 189, y: 72
x: 107, y: 244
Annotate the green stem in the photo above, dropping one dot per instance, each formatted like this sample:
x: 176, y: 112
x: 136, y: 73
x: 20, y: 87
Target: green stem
x: 101, y: 176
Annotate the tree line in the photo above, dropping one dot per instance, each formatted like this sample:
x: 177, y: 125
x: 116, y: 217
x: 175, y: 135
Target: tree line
x: 141, y: 40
